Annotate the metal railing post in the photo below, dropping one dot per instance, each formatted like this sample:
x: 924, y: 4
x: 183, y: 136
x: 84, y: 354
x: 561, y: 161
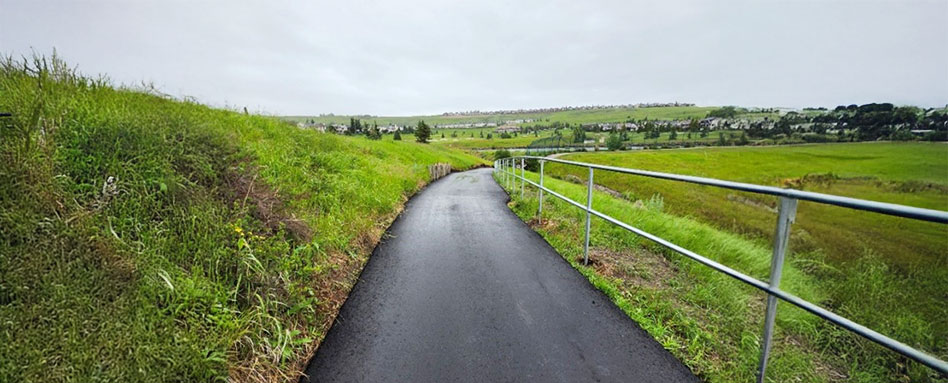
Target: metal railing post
x: 523, y: 177
x: 788, y: 211
x: 589, y: 204
x: 540, y: 196
x: 507, y: 173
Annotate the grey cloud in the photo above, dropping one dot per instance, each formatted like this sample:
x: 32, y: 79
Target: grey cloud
x: 432, y: 56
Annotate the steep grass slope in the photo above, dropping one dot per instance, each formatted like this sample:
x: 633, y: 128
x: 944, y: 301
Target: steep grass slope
x: 147, y: 239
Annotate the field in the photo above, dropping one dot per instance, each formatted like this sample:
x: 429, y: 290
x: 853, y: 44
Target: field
x: 571, y: 116
x: 465, y: 141
x: 885, y: 272
x: 147, y: 239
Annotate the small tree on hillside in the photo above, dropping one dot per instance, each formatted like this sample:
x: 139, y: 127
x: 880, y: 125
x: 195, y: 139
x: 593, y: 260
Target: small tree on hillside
x: 614, y: 142
x: 742, y: 140
x: 579, y: 134
x: 373, y: 133
x: 397, y: 137
x: 355, y: 127
x: 673, y: 135
x: 422, y: 132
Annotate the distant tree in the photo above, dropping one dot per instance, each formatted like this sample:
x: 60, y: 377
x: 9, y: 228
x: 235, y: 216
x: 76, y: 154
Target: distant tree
x: 673, y: 135
x: 501, y: 153
x: 422, y: 132
x: 373, y: 133
x: 742, y: 140
x: 355, y: 126
x: 721, y: 140
x: 505, y: 135
x: 724, y: 112
x: 489, y: 136
x: 442, y: 134
x: 454, y: 134
x: 579, y: 134
x: 782, y: 127
x: 397, y: 137
x: 481, y: 133
x: 614, y: 142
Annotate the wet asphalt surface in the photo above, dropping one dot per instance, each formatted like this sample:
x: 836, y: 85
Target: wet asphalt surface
x: 463, y: 291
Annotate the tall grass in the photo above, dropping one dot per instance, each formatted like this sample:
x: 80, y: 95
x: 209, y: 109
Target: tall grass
x: 148, y: 239
x: 712, y: 322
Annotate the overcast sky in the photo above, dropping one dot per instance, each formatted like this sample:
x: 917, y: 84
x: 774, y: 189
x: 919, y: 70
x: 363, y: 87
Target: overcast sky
x: 423, y: 57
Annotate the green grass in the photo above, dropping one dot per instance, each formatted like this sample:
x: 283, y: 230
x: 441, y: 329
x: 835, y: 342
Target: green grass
x: 709, y: 321
x: 884, y: 272
x: 465, y: 141
x: 914, y: 174
x: 222, y: 252
x: 712, y: 322
x: 572, y: 116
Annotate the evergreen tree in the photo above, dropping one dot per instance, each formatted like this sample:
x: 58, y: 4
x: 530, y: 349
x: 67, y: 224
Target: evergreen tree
x: 422, y: 132
x: 742, y: 140
x: 397, y: 137
x: 614, y: 142
x: 355, y: 126
x: 373, y: 133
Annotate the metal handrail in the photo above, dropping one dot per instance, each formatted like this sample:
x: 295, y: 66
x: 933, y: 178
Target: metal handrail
x: 787, y: 213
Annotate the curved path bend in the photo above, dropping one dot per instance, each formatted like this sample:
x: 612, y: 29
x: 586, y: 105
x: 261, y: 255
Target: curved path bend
x: 463, y: 291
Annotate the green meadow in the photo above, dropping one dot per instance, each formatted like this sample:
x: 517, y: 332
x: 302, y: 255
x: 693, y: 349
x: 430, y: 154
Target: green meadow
x: 148, y: 239
x: 884, y: 272
x: 568, y: 116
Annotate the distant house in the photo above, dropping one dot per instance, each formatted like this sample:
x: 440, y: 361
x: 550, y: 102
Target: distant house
x: 507, y: 129
x: 711, y: 122
x: 392, y: 128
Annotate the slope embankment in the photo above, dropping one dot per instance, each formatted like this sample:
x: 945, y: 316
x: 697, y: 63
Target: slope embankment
x: 149, y: 239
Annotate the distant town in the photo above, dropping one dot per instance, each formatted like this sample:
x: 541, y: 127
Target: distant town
x: 846, y: 122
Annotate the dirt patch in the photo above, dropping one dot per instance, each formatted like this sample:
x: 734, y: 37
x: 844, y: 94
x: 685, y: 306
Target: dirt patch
x: 248, y: 190
x: 751, y: 202
x: 612, y: 192
x: 828, y: 179
x: 636, y: 267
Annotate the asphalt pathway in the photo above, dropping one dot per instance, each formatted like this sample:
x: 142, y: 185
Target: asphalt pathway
x: 463, y: 291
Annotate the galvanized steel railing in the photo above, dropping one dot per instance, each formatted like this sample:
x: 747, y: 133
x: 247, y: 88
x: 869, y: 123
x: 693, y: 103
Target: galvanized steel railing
x: 787, y: 212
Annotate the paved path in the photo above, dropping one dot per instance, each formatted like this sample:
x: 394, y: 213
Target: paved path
x: 464, y: 291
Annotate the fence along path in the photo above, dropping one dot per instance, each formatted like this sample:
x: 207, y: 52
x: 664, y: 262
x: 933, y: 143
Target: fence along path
x: 513, y: 169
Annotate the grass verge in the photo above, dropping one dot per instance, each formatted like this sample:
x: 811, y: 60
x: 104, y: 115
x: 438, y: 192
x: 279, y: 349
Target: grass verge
x: 149, y: 239
x: 712, y: 322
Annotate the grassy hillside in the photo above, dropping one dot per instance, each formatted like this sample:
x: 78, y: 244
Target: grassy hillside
x: 888, y: 273
x: 570, y: 116
x: 914, y: 174
x: 471, y: 139
x: 712, y: 322
x: 147, y: 239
